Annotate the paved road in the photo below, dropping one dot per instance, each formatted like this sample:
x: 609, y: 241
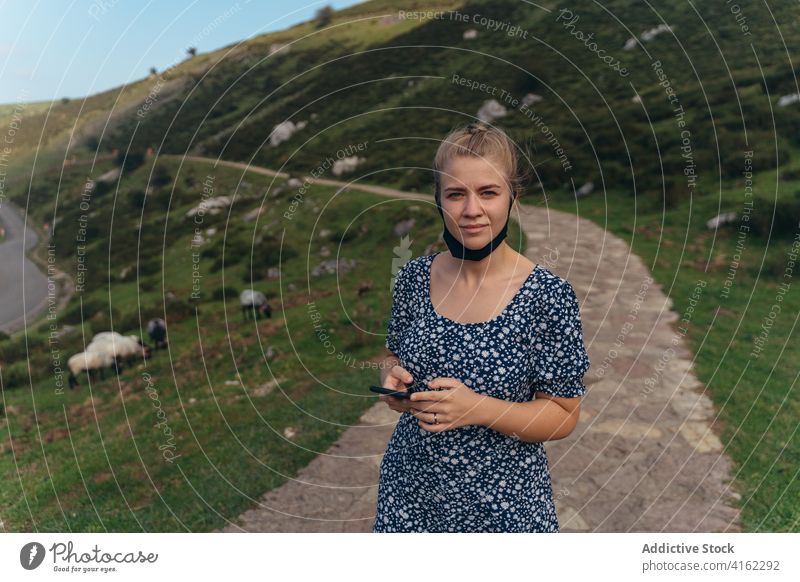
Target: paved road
x: 643, y: 459
x: 23, y: 287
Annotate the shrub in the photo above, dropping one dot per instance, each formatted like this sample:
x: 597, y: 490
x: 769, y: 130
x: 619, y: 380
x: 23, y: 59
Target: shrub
x: 223, y: 293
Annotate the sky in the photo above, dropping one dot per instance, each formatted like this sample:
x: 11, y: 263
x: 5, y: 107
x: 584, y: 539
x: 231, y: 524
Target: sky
x: 51, y: 49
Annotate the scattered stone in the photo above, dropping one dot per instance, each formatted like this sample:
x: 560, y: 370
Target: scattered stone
x: 788, y: 99
x: 294, y: 183
x: 341, y: 265
x: 109, y: 176
x: 720, y: 219
x: 491, y: 110
x: 267, y: 387
x: 283, y: 131
x: 289, y: 432
x: 470, y: 34
x: 403, y: 227
x: 210, y: 206
x: 585, y: 190
x: 346, y: 165
x: 253, y: 214
x: 647, y: 36
x: 531, y: 98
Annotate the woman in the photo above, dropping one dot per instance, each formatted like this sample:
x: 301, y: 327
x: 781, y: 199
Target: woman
x: 475, y: 334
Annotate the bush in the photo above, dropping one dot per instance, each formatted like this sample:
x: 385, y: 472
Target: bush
x: 136, y: 199
x: 224, y: 293
x: 784, y: 224
x: 129, y: 161
x: 72, y: 314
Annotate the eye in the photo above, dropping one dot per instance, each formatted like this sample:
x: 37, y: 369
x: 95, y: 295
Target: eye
x: 492, y: 192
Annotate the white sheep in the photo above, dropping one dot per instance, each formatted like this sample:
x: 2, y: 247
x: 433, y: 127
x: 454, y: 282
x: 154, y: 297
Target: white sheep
x: 89, y: 362
x: 120, y: 347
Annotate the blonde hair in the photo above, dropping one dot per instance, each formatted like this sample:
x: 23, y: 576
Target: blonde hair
x: 481, y: 141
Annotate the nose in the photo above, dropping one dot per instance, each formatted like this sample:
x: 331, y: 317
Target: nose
x: 472, y: 206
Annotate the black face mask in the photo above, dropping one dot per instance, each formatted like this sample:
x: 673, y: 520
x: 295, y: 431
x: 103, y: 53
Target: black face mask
x: 459, y: 251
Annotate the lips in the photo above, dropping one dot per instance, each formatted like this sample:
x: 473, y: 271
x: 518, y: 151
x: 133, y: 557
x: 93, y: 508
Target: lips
x: 474, y: 227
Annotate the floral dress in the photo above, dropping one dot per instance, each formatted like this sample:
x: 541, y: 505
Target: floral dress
x: 473, y: 478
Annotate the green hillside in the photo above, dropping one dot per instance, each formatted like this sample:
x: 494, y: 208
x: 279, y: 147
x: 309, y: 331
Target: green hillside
x: 661, y: 167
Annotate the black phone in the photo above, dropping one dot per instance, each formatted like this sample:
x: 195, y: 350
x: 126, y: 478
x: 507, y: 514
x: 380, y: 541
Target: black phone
x: 390, y: 392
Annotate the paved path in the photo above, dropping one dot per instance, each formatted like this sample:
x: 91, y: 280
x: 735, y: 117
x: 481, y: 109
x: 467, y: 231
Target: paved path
x: 23, y: 287
x: 641, y: 459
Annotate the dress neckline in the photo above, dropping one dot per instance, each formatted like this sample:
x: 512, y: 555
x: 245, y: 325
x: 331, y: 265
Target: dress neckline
x: 494, y: 319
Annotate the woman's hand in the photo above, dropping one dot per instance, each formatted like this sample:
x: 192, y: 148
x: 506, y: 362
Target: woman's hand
x: 396, y: 379
x: 453, y: 403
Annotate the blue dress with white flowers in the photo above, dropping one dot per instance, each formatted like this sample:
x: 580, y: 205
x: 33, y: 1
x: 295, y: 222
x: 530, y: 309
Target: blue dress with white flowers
x: 473, y: 478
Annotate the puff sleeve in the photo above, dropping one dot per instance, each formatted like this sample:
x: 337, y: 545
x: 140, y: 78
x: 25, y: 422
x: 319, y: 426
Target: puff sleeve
x: 401, y: 315
x: 560, y: 359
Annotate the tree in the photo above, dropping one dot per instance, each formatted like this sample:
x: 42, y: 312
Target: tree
x: 191, y: 51
x: 153, y: 71
x: 324, y: 16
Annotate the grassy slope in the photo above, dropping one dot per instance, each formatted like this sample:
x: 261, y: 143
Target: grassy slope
x: 713, y: 114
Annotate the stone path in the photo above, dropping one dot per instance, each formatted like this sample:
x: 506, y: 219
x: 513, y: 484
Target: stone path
x: 645, y: 456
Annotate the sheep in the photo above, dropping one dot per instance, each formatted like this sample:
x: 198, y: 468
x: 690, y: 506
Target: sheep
x: 256, y: 302
x: 89, y: 361
x: 157, y: 330
x: 120, y: 347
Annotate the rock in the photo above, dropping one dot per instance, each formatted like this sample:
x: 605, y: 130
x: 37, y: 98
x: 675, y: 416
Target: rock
x: 66, y: 330
x: 403, y: 227
x: 651, y: 33
x: 647, y: 36
x: 470, y: 34
x: 267, y: 387
x: 289, y: 432
x: 192, y: 400
x: 275, y: 192
x: 788, y: 99
x: 109, y: 176
x: 325, y: 252
x: 269, y: 353
x: 585, y: 190
x: 531, y: 98
x: 231, y: 382
x: 211, y: 231
x: 282, y: 132
x: 636, y: 99
x: 253, y: 214
x: 210, y: 206
x: 325, y: 233
x: 346, y: 165
x: 332, y: 266
x: 491, y: 110
x: 273, y: 273
x: 720, y: 219
x: 294, y: 183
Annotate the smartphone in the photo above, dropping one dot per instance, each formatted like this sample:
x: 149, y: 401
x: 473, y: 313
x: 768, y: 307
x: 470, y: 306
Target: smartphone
x: 390, y: 392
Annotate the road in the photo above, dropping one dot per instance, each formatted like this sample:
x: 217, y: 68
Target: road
x: 23, y: 286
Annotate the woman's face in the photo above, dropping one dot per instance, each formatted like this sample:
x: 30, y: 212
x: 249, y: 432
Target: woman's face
x: 474, y: 192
